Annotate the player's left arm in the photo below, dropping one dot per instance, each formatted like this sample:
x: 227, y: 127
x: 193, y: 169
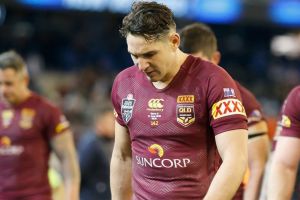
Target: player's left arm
x: 258, y: 150
x: 63, y: 146
x: 232, y: 146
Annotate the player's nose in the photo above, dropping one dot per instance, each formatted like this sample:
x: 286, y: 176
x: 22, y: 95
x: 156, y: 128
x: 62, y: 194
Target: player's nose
x: 142, y: 64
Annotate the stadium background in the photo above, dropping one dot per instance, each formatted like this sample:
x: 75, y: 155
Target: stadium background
x: 73, y: 48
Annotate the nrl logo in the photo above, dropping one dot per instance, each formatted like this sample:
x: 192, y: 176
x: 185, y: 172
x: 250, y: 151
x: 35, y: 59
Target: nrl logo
x: 127, y: 107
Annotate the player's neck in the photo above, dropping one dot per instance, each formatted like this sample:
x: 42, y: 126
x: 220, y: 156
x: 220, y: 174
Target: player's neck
x: 180, y: 58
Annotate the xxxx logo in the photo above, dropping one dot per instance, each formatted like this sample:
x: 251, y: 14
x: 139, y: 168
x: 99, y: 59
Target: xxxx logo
x: 186, y: 99
x: 156, y: 149
x: 227, y: 107
x: 155, y: 104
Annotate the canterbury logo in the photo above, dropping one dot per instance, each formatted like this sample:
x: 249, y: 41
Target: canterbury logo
x: 155, y: 103
x: 156, y: 149
x: 227, y: 107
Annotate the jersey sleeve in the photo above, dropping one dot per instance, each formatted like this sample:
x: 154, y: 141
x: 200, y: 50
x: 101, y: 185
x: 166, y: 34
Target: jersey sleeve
x: 55, y: 121
x: 251, y: 105
x: 290, y: 115
x: 116, y: 101
x: 225, y: 106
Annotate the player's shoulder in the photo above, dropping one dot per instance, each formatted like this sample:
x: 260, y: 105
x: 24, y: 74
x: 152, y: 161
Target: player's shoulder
x: 204, y: 69
x: 131, y: 71
x: 42, y: 102
x: 293, y: 96
x: 291, y: 104
x: 295, y: 92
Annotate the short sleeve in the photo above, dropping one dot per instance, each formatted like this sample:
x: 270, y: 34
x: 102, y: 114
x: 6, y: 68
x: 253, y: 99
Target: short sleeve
x: 251, y: 105
x: 290, y: 114
x: 55, y: 121
x: 116, y: 101
x: 225, y: 106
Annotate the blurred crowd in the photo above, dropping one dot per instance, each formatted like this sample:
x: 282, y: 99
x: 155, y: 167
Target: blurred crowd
x: 73, y: 57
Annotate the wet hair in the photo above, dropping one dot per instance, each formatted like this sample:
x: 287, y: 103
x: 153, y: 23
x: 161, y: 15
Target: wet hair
x: 198, y: 37
x: 12, y: 60
x: 150, y: 20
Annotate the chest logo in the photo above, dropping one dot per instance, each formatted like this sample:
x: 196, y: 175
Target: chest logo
x: 26, y: 118
x: 186, y: 99
x: 155, y: 105
x: 185, y: 114
x: 127, y: 108
x: 7, y: 148
x: 7, y: 116
x: 5, y: 141
x: 156, y: 149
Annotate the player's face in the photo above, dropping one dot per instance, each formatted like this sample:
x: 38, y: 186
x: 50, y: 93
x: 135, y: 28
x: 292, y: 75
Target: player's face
x: 154, y: 58
x: 11, y: 85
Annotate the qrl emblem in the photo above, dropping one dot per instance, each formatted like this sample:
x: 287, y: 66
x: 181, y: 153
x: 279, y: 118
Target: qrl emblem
x: 185, y: 114
x: 127, y: 108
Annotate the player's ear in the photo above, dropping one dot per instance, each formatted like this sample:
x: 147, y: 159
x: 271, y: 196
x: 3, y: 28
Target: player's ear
x: 174, y: 40
x: 26, y: 79
x: 216, y: 57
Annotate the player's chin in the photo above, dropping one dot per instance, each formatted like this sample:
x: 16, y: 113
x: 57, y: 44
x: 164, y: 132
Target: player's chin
x: 153, y: 79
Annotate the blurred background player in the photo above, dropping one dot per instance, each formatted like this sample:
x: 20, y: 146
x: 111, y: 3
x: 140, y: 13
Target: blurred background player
x: 95, y: 148
x: 199, y: 40
x: 286, y: 156
x: 30, y: 128
x: 177, y: 116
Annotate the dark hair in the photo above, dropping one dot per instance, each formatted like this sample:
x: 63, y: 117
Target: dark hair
x: 12, y: 60
x: 198, y: 37
x: 148, y: 19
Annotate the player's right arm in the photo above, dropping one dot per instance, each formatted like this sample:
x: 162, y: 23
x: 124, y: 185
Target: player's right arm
x: 120, y: 168
x: 284, y: 168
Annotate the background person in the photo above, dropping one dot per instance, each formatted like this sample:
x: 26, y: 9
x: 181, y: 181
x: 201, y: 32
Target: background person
x: 199, y: 40
x: 30, y: 129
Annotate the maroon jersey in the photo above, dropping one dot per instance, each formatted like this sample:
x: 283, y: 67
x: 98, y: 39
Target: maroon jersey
x: 289, y: 123
x: 25, y: 132
x: 252, y: 106
x: 172, y: 130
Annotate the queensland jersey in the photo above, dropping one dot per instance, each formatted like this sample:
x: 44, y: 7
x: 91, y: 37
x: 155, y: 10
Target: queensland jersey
x: 25, y: 133
x: 251, y: 105
x: 290, y: 115
x: 172, y: 130
x: 289, y: 126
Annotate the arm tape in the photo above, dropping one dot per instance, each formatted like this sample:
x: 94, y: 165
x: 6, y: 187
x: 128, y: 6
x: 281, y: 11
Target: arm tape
x: 256, y: 135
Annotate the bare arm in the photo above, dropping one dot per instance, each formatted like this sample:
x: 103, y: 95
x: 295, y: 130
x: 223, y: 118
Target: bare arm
x: 232, y: 146
x: 258, y: 150
x: 284, y: 168
x: 63, y: 146
x: 120, y: 168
